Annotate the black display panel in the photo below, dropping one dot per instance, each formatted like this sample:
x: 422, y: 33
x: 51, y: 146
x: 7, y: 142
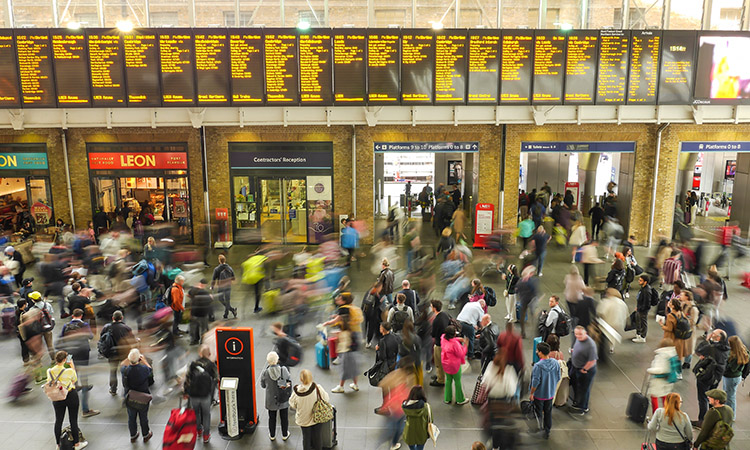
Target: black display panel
x: 106, y: 62
x: 383, y: 67
x: 677, y: 62
x: 643, y: 80
x: 484, y: 67
x: 212, y: 67
x: 451, y: 67
x: 721, y: 75
x: 10, y: 93
x: 176, y: 54
x: 580, y: 67
x: 35, y: 68
x: 282, y: 87
x: 246, y: 66
x: 549, y: 67
x: 613, y: 67
x: 349, y: 67
x: 517, y: 53
x: 70, y: 59
x: 315, y: 73
x: 417, y: 67
x: 141, y: 49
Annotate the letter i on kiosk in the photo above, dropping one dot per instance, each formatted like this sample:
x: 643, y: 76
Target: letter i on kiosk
x: 235, y: 360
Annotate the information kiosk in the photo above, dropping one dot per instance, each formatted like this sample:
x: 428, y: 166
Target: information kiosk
x: 236, y: 364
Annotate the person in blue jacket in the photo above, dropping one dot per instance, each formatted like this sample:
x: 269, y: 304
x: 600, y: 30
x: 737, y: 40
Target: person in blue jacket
x: 349, y: 239
x: 544, y: 379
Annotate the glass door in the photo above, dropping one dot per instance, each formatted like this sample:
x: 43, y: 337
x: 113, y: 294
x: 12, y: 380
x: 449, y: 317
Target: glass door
x: 282, y: 210
x: 271, y: 210
x: 296, y: 210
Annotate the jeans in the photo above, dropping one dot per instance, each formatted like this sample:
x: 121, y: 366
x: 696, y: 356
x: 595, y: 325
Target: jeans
x: 133, y: 426
x: 467, y: 330
x: 284, y: 415
x: 114, y: 365
x: 544, y: 409
x: 730, y: 387
x: 83, y: 382
x: 540, y: 260
x: 451, y: 379
x: 225, y: 299
x: 198, y: 326
x: 176, y: 321
x: 582, y: 387
x: 394, y: 428
x: 702, y: 400
x: 669, y: 446
x: 641, y: 324
x: 312, y: 437
x: 438, y: 364
x: 71, y: 404
x: 202, y: 407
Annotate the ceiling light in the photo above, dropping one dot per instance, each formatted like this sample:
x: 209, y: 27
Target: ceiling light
x: 124, y: 26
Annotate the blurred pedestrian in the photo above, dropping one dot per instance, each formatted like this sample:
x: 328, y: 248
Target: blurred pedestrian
x: 303, y: 400
x: 115, y: 342
x: 663, y: 372
x: 222, y: 280
x: 177, y: 295
x: 201, y: 307
x: 277, y: 382
x: 346, y: 347
x: 75, y: 339
x: 200, y: 381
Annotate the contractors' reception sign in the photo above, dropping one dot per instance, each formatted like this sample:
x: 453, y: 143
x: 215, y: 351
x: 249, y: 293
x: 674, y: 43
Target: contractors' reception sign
x: 138, y: 161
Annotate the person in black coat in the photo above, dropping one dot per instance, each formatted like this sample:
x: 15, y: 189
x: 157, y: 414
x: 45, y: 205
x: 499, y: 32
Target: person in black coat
x: 597, y: 219
x: 387, y: 348
x: 715, y: 349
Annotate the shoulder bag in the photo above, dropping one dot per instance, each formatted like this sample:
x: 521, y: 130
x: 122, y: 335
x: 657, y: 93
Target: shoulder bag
x: 55, y: 390
x: 432, y: 430
x: 322, y: 411
x: 136, y: 400
x: 687, y: 444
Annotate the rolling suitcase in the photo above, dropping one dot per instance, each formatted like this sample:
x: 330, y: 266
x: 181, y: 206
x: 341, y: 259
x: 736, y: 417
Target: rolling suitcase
x: 329, y: 434
x: 181, y: 432
x: 638, y: 405
x: 534, y: 356
x: 332, y: 343
x: 321, y: 355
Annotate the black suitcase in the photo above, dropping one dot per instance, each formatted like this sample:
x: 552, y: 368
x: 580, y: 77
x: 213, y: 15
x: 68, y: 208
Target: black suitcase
x: 638, y: 405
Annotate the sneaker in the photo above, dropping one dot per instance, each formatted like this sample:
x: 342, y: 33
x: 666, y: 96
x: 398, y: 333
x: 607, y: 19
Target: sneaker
x: 446, y: 402
x: 463, y: 402
x: 541, y: 274
x: 686, y: 365
x: 151, y: 433
x: 451, y: 306
x: 368, y: 345
x: 639, y: 339
x: 257, y: 310
x: 90, y: 412
x: 336, y: 361
x: 679, y: 376
x: 273, y: 438
x: 206, y: 438
x: 286, y: 436
x: 354, y: 387
x: 396, y: 447
x: 199, y: 433
x: 80, y: 445
x: 338, y: 390
x: 135, y: 438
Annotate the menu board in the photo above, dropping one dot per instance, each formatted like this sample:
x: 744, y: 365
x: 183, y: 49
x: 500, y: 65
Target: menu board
x: 383, y: 56
x: 349, y: 67
x: 516, y: 66
x: 10, y: 94
x: 315, y: 68
x: 580, y: 67
x: 246, y: 66
x: 676, y: 75
x: 281, y: 67
x: 212, y: 67
x: 69, y: 57
x: 613, y: 66
x: 417, y: 68
x: 142, y: 68
x: 176, y: 53
x: 451, y: 67
x: 106, y: 68
x: 645, y: 46
x: 549, y: 66
x: 484, y: 67
x: 35, y: 68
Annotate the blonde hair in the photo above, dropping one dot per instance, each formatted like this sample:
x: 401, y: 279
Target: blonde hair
x: 671, y: 406
x: 385, y: 262
x: 134, y: 356
x: 305, y: 376
x: 738, y: 351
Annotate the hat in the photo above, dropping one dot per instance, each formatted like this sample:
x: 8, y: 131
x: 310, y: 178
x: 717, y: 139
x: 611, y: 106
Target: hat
x: 27, y: 281
x: 35, y: 295
x: 717, y: 394
x: 9, y: 249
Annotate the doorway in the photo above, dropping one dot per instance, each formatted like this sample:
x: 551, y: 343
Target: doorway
x: 283, y: 212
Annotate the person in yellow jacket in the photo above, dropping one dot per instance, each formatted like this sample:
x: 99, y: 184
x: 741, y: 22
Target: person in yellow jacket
x: 253, y: 272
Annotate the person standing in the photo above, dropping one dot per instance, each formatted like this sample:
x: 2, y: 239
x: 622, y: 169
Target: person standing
x: 439, y: 324
x: 487, y: 336
x: 453, y: 355
x: 121, y: 340
x: 67, y: 377
x: 469, y: 319
x: 574, y: 287
x: 643, y: 305
x: 75, y: 337
x: 45, y: 314
x: 597, y: 217
x: 544, y: 378
x: 137, y: 376
x: 19, y: 267
x: 412, y: 297
x: 200, y: 382
x: 671, y: 425
x: 221, y: 281
x: 583, y: 359
x: 511, y: 278
x: 418, y: 417
x: 277, y: 382
x: 387, y: 348
x: 385, y: 281
x: 200, y: 311
x: 21, y: 308
x: 303, y: 400
x: 178, y: 304
x: 713, y: 354
x: 738, y: 368
x: 718, y: 412
x: 553, y: 316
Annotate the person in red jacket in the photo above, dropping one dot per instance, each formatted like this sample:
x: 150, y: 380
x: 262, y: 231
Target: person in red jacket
x: 178, y: 304
x: 513, y: 346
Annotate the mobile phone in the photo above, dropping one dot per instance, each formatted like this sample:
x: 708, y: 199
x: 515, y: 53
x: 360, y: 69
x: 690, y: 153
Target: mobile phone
x: 70, y: 358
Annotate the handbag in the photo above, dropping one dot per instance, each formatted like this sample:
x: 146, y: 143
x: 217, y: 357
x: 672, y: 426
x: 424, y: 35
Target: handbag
x: 137, y: 400
x: 632, y: 322
x: 379, y: 370
x: 322, y: 411
x: 432, y: 430
x: 480, y: 392
x: 687, y: 444
x: 54, y: 390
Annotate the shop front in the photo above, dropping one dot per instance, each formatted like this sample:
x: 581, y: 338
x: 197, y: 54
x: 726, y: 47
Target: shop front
x: 281, y: 192
x: 141, y: 183
x: 25, y: 194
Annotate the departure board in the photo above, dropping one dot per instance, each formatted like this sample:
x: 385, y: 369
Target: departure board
x: 281, y: 67
x: 417, y: 67
x: 516, y: 66
x: 35, y: 68
x: 349, y: 67
x: 451, y: 63
x: 677, y: 67
x: 106, y: 68
x: 549, y: 67
x: 484, y: 67
x: 246, y: 67
x: 10, y: 93
x: 70, y: 59
x: 383, y: 57
x: 176, y: 54
x: 212, y: 67
x: 315, y: 68
x: 580, y: 67
x: 613, y: 66
x: 141, y: 50
x: 643, y: 79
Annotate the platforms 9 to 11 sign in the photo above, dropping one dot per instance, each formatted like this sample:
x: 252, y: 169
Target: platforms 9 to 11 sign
x: 97, y: 67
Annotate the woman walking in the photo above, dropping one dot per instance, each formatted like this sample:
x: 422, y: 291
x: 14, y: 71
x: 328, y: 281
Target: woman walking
x: 346, y: 348
x: 453, y: 355
x: 672, y: 426
x: 669, y: 332
x: 137, y: 376
x: 737, y: 370
x: 511, y: 279
x: 410, y: 351
x: 303, y: 399
x: 67, y: 378
x: 277, y: 382
x: 663, y: 372
x: 418, y: 416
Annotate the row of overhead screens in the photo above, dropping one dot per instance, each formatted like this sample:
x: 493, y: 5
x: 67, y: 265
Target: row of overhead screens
x: 252, y: 67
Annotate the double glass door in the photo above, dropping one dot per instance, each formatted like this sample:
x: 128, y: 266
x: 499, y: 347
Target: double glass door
x: 282, y: 209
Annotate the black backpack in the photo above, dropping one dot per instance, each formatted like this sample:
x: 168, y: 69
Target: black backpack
x: 201, y: 381
x: 562, y: 327
x: 682, y: 329
x: 107, y: 344
x: 489, y: 296
x: 398, y: 319
x: 290, y: 352
x: 654, y: 296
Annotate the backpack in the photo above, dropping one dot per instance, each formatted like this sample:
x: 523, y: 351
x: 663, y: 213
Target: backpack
x: 704, y: 371
x: 721, y: 434
x: 629, y: 275
x: 48, y: 323
x: 226, y: 273
x: 106, y: 345
x: 654, y: 297
x: 166, y: 298
x: 140, y: 267
x: 682, y: 329
x: 562, y: 327
x: 290, y: 352
x: 201, y: 381
x: 399, y: 317
x: 355, y: 316
x: 489, y: 296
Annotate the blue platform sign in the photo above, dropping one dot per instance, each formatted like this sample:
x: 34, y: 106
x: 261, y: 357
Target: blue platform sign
x: 697, y: 147
x: 21, y: 160
x: 581, y: 147
x: 436, y: 147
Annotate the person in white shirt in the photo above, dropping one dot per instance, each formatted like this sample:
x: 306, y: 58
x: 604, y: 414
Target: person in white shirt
x: 470, y: 318
x: 552, y: 317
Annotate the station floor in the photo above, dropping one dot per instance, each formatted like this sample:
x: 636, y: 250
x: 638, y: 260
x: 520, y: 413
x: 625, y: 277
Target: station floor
x: 28, y: 423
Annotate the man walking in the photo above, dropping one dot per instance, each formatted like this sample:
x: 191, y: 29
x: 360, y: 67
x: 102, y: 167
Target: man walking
x: 583, y: 357
x: 643, y: 304
x: 222, y: 280
x: 114, y: 344
x: 75, y: 337
x: 527, y: 291
x: 199, y: 386
x: 200, y: 309
x: 544, y: 378
x: 45, y: 317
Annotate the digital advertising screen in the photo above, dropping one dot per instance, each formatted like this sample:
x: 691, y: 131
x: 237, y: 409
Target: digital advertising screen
x: 723, y: 69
